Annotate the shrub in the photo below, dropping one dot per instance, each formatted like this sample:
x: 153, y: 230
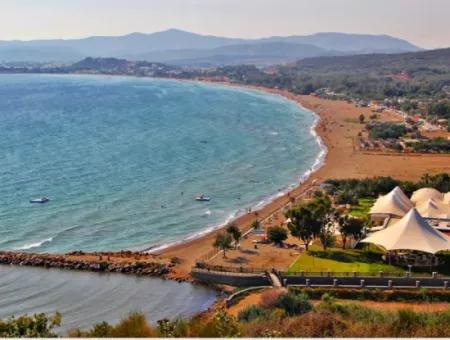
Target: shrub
x: 36, y: 326
x: 377, y: 295
x: 252, y: 313
x: 294, y: 304
x: 133, y: 326
x: 277, y: 234
x: 269, y: 298
x: 220, y: 326
x: 172, y: 329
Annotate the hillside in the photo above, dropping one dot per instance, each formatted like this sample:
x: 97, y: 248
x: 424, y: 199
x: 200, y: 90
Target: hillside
x: 185, y: 48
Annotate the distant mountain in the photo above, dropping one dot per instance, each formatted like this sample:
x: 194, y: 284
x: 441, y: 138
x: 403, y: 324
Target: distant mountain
x: 180, y: 47
x: 253, y: 53
x: 352, y: 43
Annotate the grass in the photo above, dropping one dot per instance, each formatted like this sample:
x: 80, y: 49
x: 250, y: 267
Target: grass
x: 340, y: 260
x: 362, y: 208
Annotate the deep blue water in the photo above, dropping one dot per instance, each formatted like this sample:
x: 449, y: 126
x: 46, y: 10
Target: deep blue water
x: 122, y: 159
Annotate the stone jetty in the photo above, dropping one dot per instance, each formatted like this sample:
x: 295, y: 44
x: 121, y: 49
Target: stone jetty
x: 125, y: 262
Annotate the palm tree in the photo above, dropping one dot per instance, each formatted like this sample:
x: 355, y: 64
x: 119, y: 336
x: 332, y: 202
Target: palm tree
x: 223, y: 242
x: 234, y: 231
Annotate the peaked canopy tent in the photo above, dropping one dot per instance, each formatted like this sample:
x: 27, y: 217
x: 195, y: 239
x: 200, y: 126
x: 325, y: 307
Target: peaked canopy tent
x: 412, y: 232
x: 424, y: 194
x: 395, y: 203
x: 447, y: 198
x: 433, y: 209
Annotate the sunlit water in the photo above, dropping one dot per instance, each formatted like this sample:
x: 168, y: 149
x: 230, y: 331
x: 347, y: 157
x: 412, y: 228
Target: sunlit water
x: 122, y: 159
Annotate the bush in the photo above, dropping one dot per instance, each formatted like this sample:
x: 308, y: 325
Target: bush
x: 222, y: 325
x: 252, y: 313
x: 133, y: 326
x: 376, y: 294
x: 294, y: 304
x: 269, y: 298
x: 36, y: 326
x: 386, y: 130
x: 277, y: 234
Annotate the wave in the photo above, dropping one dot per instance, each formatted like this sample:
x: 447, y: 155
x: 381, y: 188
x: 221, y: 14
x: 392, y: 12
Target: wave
x: 34, y: 245
x: 318, y: 163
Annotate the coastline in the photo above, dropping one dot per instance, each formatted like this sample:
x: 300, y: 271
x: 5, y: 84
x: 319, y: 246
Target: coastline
x: 301, y: 178
x: 336, y: 127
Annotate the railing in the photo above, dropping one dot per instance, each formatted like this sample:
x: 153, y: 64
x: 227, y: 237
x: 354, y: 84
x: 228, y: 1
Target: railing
x: 361, y: 274
x: 225, y: 269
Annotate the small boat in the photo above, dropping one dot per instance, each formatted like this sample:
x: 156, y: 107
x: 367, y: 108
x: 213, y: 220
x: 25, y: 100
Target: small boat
x: 40, y: 200
x: 203, y: 198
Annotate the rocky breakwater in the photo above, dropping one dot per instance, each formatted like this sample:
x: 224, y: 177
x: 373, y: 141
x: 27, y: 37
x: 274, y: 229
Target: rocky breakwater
x: 121, y: 262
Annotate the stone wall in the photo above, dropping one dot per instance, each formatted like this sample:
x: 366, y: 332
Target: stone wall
x: 231, y: 279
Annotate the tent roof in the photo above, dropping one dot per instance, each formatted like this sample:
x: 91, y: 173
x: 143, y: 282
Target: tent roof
x: 434, y: 209
x: 412, y: 232
x: 394, y: 203
x: 447, y: 198
x: 400, y: 194
x: 425, y: 194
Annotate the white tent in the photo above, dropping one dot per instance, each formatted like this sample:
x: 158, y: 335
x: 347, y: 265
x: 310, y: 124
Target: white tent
x: 434, y: 209
x: 424, y: 194
x: 394, y: 203
x: 401, y: 195
x: 447, y: 198
x: 412, y: 232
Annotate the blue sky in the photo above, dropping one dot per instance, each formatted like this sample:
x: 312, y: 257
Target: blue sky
x: 423, y: 22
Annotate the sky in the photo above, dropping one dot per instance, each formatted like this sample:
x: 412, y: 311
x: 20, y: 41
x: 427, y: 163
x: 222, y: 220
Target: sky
x: 425, y: 23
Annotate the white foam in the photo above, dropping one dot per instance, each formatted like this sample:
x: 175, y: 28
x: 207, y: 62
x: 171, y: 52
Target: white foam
x: 34, y: 245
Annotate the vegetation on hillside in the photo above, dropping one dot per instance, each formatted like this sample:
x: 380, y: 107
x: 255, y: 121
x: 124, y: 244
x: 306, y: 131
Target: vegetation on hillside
x: 291, y: 314
x: 373, y: 187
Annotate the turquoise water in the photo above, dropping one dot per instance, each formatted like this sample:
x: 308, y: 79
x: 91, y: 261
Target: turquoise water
x: 122, y: 159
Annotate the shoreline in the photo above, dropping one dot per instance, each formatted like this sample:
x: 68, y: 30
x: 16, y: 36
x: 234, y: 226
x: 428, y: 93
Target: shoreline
x: 275, y: 202
x: 337, y: 132
x: 301, y: 178
x: 336, y: 128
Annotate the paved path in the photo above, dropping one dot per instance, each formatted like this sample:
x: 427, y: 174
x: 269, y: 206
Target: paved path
x: 275, y: 280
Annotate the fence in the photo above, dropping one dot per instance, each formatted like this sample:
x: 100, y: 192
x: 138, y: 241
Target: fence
x: 248, y: 270
x: 362, y: 274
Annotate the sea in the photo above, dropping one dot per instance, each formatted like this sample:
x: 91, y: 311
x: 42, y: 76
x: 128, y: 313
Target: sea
x: 122, y: 159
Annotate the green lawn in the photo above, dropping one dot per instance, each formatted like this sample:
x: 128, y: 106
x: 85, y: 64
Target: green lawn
x: 363, y: 207
x: 340, y: 260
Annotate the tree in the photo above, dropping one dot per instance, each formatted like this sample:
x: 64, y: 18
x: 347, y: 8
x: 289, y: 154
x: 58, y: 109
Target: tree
x: 326, y: 235
x: 223, y: 242
x: 235, y: 232
x: 36, y: 326
x: 277, y: 234
x: 308, y: 219
x: 361, y: 118
x: 350, y: 227
x: 256, y: 225
x: 303, y: 224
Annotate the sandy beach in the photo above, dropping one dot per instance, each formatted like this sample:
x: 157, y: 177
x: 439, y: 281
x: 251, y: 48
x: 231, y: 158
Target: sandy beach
x: 338, y: 127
